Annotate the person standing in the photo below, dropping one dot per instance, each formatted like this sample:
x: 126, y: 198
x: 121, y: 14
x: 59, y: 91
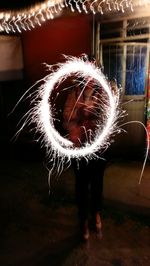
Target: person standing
x: 80, y: 122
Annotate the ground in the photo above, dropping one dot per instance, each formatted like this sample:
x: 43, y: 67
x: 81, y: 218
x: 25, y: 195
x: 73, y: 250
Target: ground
x: 38, y: 229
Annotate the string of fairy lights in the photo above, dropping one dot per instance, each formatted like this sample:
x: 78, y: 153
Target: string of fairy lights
x: 13, y: 21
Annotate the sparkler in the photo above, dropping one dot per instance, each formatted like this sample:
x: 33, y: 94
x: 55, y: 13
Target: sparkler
x: 42, y: 112
x: 59, y: 148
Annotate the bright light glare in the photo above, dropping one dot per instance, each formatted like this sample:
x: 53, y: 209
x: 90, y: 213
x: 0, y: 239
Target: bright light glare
x: 42, y: 113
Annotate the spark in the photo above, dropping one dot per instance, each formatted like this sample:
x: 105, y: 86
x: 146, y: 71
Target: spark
x: 77, y: 6
x: 117, y: 5
x: 109, y: 5
x: 59, y: 147
x: 36, y: 15
x: 147, y: 148
x: 100, y: 9
x: 92, y: 7
x: 16, y: 21
x: 71, y: 6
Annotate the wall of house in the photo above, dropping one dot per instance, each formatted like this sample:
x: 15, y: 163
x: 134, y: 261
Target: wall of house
x: 70, y: 35
x: 11, y: 87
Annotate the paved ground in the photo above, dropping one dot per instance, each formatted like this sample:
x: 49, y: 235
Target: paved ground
x: 41, y: 230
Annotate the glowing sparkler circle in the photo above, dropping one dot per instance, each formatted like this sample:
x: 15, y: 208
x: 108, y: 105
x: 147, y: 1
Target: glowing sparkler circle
x: 44, y: 118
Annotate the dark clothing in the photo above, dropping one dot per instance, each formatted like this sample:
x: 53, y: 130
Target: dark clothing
x: 81, y: 111
x: 89, y: 186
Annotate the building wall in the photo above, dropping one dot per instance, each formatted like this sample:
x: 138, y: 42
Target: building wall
x: 11, y: 60
x: 11, y: 88
x: 70, y: 35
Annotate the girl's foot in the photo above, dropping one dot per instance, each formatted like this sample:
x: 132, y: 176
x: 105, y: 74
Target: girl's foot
x: 98, y: 225
x: 85, y: 231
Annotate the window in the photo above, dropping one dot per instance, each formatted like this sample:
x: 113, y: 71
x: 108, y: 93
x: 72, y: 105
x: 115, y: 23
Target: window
x: 112, y: 61
x: 135, y: 70
x: 124, y: 53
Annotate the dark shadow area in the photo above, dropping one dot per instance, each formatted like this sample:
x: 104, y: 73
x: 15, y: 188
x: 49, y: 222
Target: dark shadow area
x: 35, y: 229
x: 40, y: 229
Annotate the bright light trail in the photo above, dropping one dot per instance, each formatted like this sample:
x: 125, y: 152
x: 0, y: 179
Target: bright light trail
x: 42, y: 113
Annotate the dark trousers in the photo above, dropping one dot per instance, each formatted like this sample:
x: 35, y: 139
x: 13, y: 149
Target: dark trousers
x: 89, y: 186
